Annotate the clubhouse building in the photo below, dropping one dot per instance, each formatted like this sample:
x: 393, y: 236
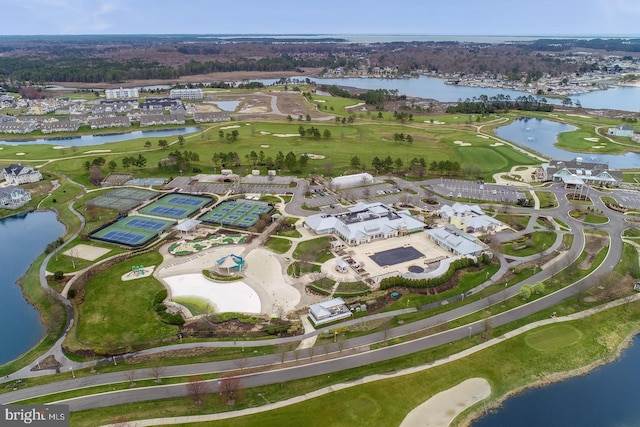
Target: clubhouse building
x: 577, y: 172
x: 364, y: 223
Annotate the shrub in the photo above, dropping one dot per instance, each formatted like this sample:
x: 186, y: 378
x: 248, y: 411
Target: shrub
x: 58, y: 275
x: 390, y: 282
x: 159, y: 297
x: 172, y: 319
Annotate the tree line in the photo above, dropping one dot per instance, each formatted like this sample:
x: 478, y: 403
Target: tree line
x: 500, y: 104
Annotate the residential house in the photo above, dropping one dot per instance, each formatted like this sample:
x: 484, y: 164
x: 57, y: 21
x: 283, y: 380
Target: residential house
x: 61, y: 125
x: 17, y: 174
x: 161, y: 119
x: 221, y: 116
x: 621, y: 130
x: 122, y: 93
x: 17, y: 127
x: 109, y: 122
x: 12, y: 197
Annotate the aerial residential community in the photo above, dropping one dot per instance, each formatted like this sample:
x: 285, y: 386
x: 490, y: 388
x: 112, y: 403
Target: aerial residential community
x: 300, y: 229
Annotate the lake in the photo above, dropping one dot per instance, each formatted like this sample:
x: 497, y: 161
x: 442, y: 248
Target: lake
x: 541, y: 135
x: 23, y: 239
x: 619, y: 98
x: 84, y: 140
x: 607, y: 396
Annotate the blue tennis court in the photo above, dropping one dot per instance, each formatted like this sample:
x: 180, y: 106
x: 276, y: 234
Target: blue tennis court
x: 123, y: 237
x: 147, y: 224
x: 239, y: 213
x: 184, y: 201
x: 171, y: 212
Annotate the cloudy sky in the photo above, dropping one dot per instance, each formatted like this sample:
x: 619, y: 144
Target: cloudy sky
x: 430, y: 17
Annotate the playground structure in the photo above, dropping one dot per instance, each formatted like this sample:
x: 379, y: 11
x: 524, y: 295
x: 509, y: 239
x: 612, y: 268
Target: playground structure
x: 137, y: 270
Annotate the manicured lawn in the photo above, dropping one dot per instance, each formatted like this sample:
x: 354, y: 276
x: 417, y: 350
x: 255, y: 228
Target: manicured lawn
x: 508, y: 365
x: 290, y: 233
x: 116, y: 312
x: 316, y: 249
x: 538, y: 241
x: 195, y: 305
x: 547, y: 199
x: 590, y: 217
x: 631, y: 232
x: 517, y: 222
x: 278, y: 245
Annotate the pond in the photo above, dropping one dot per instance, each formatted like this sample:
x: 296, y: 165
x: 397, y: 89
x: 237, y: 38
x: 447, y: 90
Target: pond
x: 23, y: 238
x: 540, y: 135
x: 84, y: 140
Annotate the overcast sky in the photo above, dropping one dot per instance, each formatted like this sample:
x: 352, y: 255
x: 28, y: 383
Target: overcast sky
x: 429, y: 17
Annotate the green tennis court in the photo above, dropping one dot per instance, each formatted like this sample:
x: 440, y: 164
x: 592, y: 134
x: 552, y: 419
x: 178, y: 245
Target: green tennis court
x: 177, y: 206
x: 237, y: 213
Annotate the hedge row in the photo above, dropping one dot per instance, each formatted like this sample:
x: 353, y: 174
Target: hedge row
x: 318, y: 289
x: 350, y: 294
x: 390, y: 282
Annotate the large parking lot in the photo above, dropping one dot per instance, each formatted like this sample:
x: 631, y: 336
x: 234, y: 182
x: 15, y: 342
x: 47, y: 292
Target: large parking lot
x: 630, y: 199
x: 476, y: 190
x: 382, y: 192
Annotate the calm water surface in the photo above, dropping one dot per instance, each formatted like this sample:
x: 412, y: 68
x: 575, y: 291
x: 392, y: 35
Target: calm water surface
x: 541, y: 135
x: 84, y: 140
x: 23, y: 239
x: 608, y: 397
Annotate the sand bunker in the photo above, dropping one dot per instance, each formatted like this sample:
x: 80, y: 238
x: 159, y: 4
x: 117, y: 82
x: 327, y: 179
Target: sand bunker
x: 442, y: 408
x: 59, y: 147
x: 356, y: 105
x: 264, y: 146
x: 254, y: 110
x: 496, y: 144
x: 264, y: 132
x: 320, y: 100
x: 592, y: 139
x: 90, y: 253
x: 435, y: 122
x: 286, y: 135
x: 597, y: 146
x: 20, y: 154
x: 462, y: 143
x: 97, y: 151
x: 230, y: 127
x: 579, y: 115
x: 315, y: 156
x: 224, y: 296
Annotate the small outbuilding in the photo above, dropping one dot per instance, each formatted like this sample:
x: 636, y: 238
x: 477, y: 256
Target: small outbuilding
x: 350, y: 181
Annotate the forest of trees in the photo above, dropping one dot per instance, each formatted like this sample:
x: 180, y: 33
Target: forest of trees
x: 500, y: 104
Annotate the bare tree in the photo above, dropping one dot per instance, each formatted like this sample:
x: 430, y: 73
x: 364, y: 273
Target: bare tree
x: 130, y: 375
x: 73, y: 254
x: 197, y: 389
x: 241, y: 363
x: 282, y: 352
x: 296, y: 354
x: 156, y: 369
x: 230, y: 389
x: 341, y: 344
x: 312, y: 350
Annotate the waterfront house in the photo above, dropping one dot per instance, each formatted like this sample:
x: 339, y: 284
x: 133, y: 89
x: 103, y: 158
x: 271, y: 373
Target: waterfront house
x: 12, y: 197
x: 621, y: 130
x: 19, y: 174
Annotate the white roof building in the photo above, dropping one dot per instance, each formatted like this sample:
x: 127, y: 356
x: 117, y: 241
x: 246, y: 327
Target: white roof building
x: 469, y: 218
x: 349, y: 181
x: 456, y: 241
x: 365, y: 222
x: 328, y: 311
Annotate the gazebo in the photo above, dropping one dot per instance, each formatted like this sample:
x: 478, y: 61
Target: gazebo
x: 188, y: 225
x: 230, y: 264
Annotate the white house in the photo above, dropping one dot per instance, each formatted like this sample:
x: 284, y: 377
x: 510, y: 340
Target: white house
x: 122, y: 93
x: 13, y: 197
x: 621, y: 130
x: 469, y: 218
x: 19, y: 174
x: 186, y: 93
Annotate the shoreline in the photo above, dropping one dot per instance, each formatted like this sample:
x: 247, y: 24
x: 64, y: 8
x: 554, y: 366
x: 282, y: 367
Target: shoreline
x: 550, y: 379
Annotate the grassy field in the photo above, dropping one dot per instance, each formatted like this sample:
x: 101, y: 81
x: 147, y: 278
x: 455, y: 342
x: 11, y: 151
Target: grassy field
x: 195, y: 305
x: 315, y: 249
x: 547, y: 199
x: 512, y: 364
x: 278, y: 245
x: 116, y: 312
x: 365, y: 140
x: 539, y: 241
